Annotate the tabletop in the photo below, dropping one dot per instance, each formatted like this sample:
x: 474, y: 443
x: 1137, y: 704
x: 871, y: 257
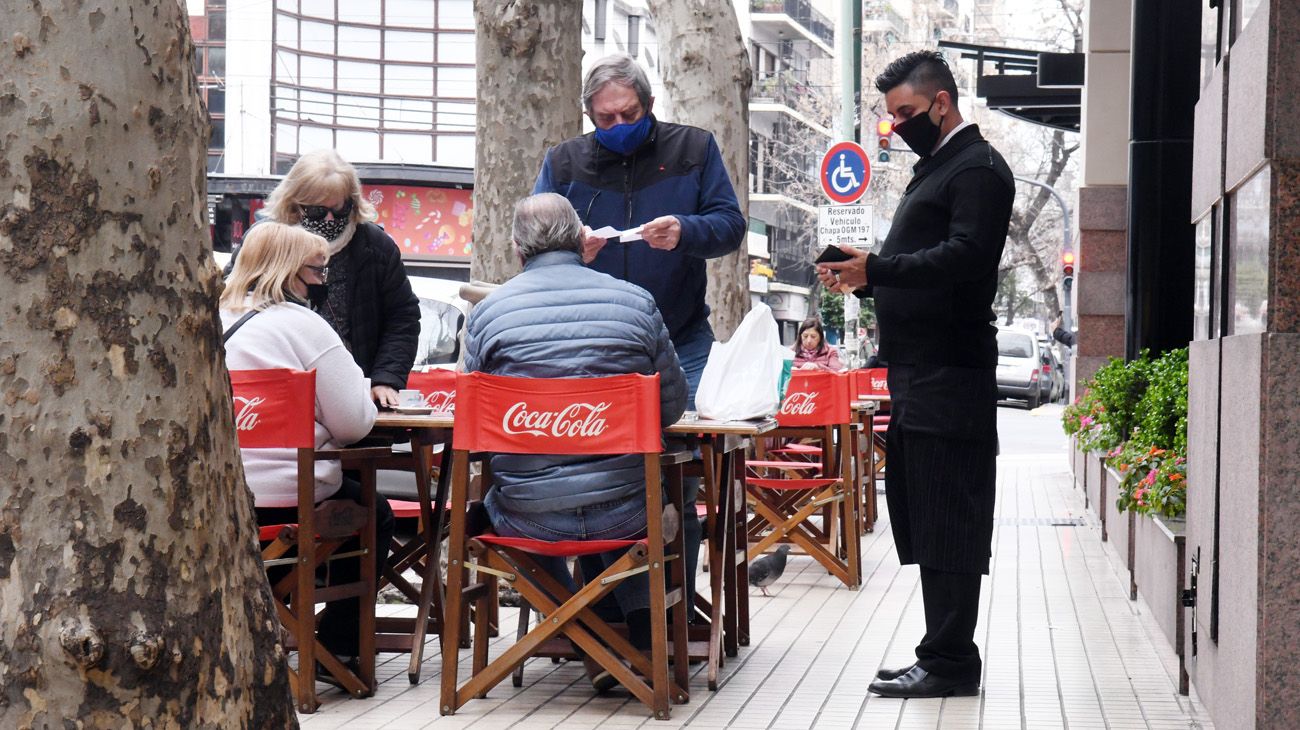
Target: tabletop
x: 392, y: 419
x: 736, y: 428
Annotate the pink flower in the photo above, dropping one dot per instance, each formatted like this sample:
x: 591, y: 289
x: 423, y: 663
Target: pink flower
x: 1150, y: 478
x: 1085, y: 422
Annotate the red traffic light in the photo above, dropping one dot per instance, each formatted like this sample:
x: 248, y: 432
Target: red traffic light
x: 1067, y: 262
x: 884, y: 128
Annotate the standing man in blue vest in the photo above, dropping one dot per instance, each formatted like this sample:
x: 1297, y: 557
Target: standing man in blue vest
x: 669, y: 181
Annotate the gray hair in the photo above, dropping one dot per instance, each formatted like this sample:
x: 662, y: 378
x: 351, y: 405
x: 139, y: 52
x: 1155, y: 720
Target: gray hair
x: 621, y: 69
x: 546, y: 222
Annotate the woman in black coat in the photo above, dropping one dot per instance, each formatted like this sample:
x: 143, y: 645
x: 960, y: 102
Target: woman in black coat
x: 367, y: 297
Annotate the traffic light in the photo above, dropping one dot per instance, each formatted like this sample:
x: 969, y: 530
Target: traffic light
x: 1067, y: 268
x: 884, y: 139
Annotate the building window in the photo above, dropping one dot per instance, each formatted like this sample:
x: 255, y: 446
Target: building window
x: 1248, y: 255
x: 633, y: 35
x: 602, y: 10
x: 387, y: 81
x: 1204, y: 292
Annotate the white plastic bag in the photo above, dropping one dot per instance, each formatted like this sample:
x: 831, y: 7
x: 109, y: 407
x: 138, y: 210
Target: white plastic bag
x: 741, y: 379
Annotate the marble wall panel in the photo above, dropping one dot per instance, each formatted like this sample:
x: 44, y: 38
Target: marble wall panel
x: 1236, y: 671
x: 1284, y: 263
x: 1279, y: 536
x: 1207, y: 153
x: 1248, y: 95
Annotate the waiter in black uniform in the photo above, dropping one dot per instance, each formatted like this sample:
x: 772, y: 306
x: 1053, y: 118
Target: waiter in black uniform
x: 934, y: 282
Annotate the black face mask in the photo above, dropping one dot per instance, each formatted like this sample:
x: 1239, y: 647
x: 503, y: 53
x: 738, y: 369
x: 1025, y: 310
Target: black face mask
x: 920, y: 132
x: 317, y: 294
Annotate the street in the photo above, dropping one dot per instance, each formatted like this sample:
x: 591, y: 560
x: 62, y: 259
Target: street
x: 1023, y: 433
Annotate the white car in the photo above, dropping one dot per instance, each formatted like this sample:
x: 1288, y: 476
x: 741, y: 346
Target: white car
x: 1018, y: 366
x: 442, y: 319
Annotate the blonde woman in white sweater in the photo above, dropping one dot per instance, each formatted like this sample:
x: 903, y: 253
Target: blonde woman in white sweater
x: 264, y: 308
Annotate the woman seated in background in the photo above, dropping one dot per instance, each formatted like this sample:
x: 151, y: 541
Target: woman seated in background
x: 264, y: 311
x: 811, y: 351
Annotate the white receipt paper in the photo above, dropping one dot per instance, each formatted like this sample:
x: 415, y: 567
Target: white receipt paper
x: 631, y: 234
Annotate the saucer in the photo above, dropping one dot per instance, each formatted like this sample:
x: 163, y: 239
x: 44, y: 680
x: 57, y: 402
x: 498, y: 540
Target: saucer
x: 413, y: 410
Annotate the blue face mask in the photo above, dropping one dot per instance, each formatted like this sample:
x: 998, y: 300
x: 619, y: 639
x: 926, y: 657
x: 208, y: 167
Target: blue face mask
x: 623, y: 139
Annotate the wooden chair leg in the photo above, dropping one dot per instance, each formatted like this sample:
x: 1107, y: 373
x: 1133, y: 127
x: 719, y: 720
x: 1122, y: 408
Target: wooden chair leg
x: 525, y: 615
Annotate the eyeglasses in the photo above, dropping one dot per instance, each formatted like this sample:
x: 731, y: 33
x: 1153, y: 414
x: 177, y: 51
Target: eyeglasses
x: 318, y: 212
x: 321, y: 271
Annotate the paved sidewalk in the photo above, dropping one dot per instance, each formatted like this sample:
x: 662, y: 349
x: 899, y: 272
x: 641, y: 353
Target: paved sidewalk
x: 1063, y: 646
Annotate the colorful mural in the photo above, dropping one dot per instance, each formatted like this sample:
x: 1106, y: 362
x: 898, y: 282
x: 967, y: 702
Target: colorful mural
x: 425, y: 221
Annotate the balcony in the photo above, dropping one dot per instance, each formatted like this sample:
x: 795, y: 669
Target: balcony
x: 784, y: 93
x: 792, y: 20
x: 881, y: 17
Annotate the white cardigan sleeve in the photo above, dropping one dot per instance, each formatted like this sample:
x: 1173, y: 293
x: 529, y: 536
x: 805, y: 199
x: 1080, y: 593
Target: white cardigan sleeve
x: 343, y: 403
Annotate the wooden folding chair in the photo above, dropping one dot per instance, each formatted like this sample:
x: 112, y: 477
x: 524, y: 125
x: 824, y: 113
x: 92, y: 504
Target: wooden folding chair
x: 817, y: 407
x: 609, y: 415
x: 276, y: 409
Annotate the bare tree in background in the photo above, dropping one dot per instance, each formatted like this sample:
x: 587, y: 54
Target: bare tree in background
x: 529, y: 69
x: 132, y: 590
x: 707, y: 76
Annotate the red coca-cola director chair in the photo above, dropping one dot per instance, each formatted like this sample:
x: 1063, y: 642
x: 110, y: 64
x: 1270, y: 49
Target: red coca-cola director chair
x: 276, y: 409
x: 817, y: 513
x: 608, y: 415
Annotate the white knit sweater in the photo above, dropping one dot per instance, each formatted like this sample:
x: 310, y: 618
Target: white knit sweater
x: 290, y: 336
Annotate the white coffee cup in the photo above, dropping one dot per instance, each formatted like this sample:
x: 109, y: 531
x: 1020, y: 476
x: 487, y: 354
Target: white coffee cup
x: 409, y: 398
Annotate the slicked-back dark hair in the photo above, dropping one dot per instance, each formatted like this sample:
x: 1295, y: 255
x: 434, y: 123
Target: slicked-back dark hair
x: 925, y: 71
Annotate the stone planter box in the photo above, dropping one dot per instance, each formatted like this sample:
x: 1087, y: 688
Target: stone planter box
x: 1094, y: 488
x: 1076, y: 464
x: 1118, y: 527
x: 1160, y: 556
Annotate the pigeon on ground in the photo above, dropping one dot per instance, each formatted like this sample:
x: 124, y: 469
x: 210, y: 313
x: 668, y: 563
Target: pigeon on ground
x: 764, y: 571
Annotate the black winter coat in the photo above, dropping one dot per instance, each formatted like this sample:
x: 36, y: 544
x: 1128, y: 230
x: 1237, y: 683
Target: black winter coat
x: 385, y: 312
x: 937, y: 273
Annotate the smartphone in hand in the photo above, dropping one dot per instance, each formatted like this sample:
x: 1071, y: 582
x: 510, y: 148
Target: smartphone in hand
x: 831, y: 255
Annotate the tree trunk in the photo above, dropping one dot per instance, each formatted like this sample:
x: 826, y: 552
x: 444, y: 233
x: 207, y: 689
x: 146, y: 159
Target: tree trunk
x: 132, y: 590
x: 707, y: 77
x: 529, y: 99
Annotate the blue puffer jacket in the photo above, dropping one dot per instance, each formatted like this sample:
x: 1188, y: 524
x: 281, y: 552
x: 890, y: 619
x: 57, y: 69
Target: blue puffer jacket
x: 677, y: 171
x: 559, y: 319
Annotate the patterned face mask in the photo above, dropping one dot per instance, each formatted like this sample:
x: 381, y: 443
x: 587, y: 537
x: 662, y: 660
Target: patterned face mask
x: 326, y: 229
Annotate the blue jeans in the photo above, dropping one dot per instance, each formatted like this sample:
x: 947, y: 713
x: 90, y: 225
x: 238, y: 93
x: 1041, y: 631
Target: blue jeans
x: 692, y: 353
x: 618, y: 520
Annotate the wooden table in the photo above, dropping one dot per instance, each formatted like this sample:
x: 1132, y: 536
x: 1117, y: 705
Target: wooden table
x: 405, y: 634
x: 722, y: 456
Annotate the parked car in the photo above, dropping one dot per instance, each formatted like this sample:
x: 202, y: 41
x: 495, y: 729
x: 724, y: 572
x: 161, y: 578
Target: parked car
x: 1019, y: 371
x: 442, y: 319
x: 1051, y: 373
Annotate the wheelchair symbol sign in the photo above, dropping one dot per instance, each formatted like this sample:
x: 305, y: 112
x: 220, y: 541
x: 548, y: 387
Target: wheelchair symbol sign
x: 845, y: 172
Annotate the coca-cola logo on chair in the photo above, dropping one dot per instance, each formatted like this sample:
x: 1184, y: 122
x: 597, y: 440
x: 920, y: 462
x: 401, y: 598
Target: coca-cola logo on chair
x: 575, y: 419
x: 441, y: 401
x: 799, y: 404
x: 246, y: 412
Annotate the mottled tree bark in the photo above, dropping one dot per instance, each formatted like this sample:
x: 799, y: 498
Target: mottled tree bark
x: 529, y: 61
x: 707, y: 77
x: 131, y: 589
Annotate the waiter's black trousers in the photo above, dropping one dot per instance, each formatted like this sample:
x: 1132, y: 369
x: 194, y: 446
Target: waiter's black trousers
x: 952, y: 602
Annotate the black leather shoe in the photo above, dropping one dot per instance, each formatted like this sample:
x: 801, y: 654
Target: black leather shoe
x: 888, y: 674
x: 918, y: 683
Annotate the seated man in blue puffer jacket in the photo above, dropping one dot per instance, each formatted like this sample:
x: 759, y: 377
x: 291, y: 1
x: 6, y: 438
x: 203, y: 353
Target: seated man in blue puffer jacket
x: 560, y: 319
